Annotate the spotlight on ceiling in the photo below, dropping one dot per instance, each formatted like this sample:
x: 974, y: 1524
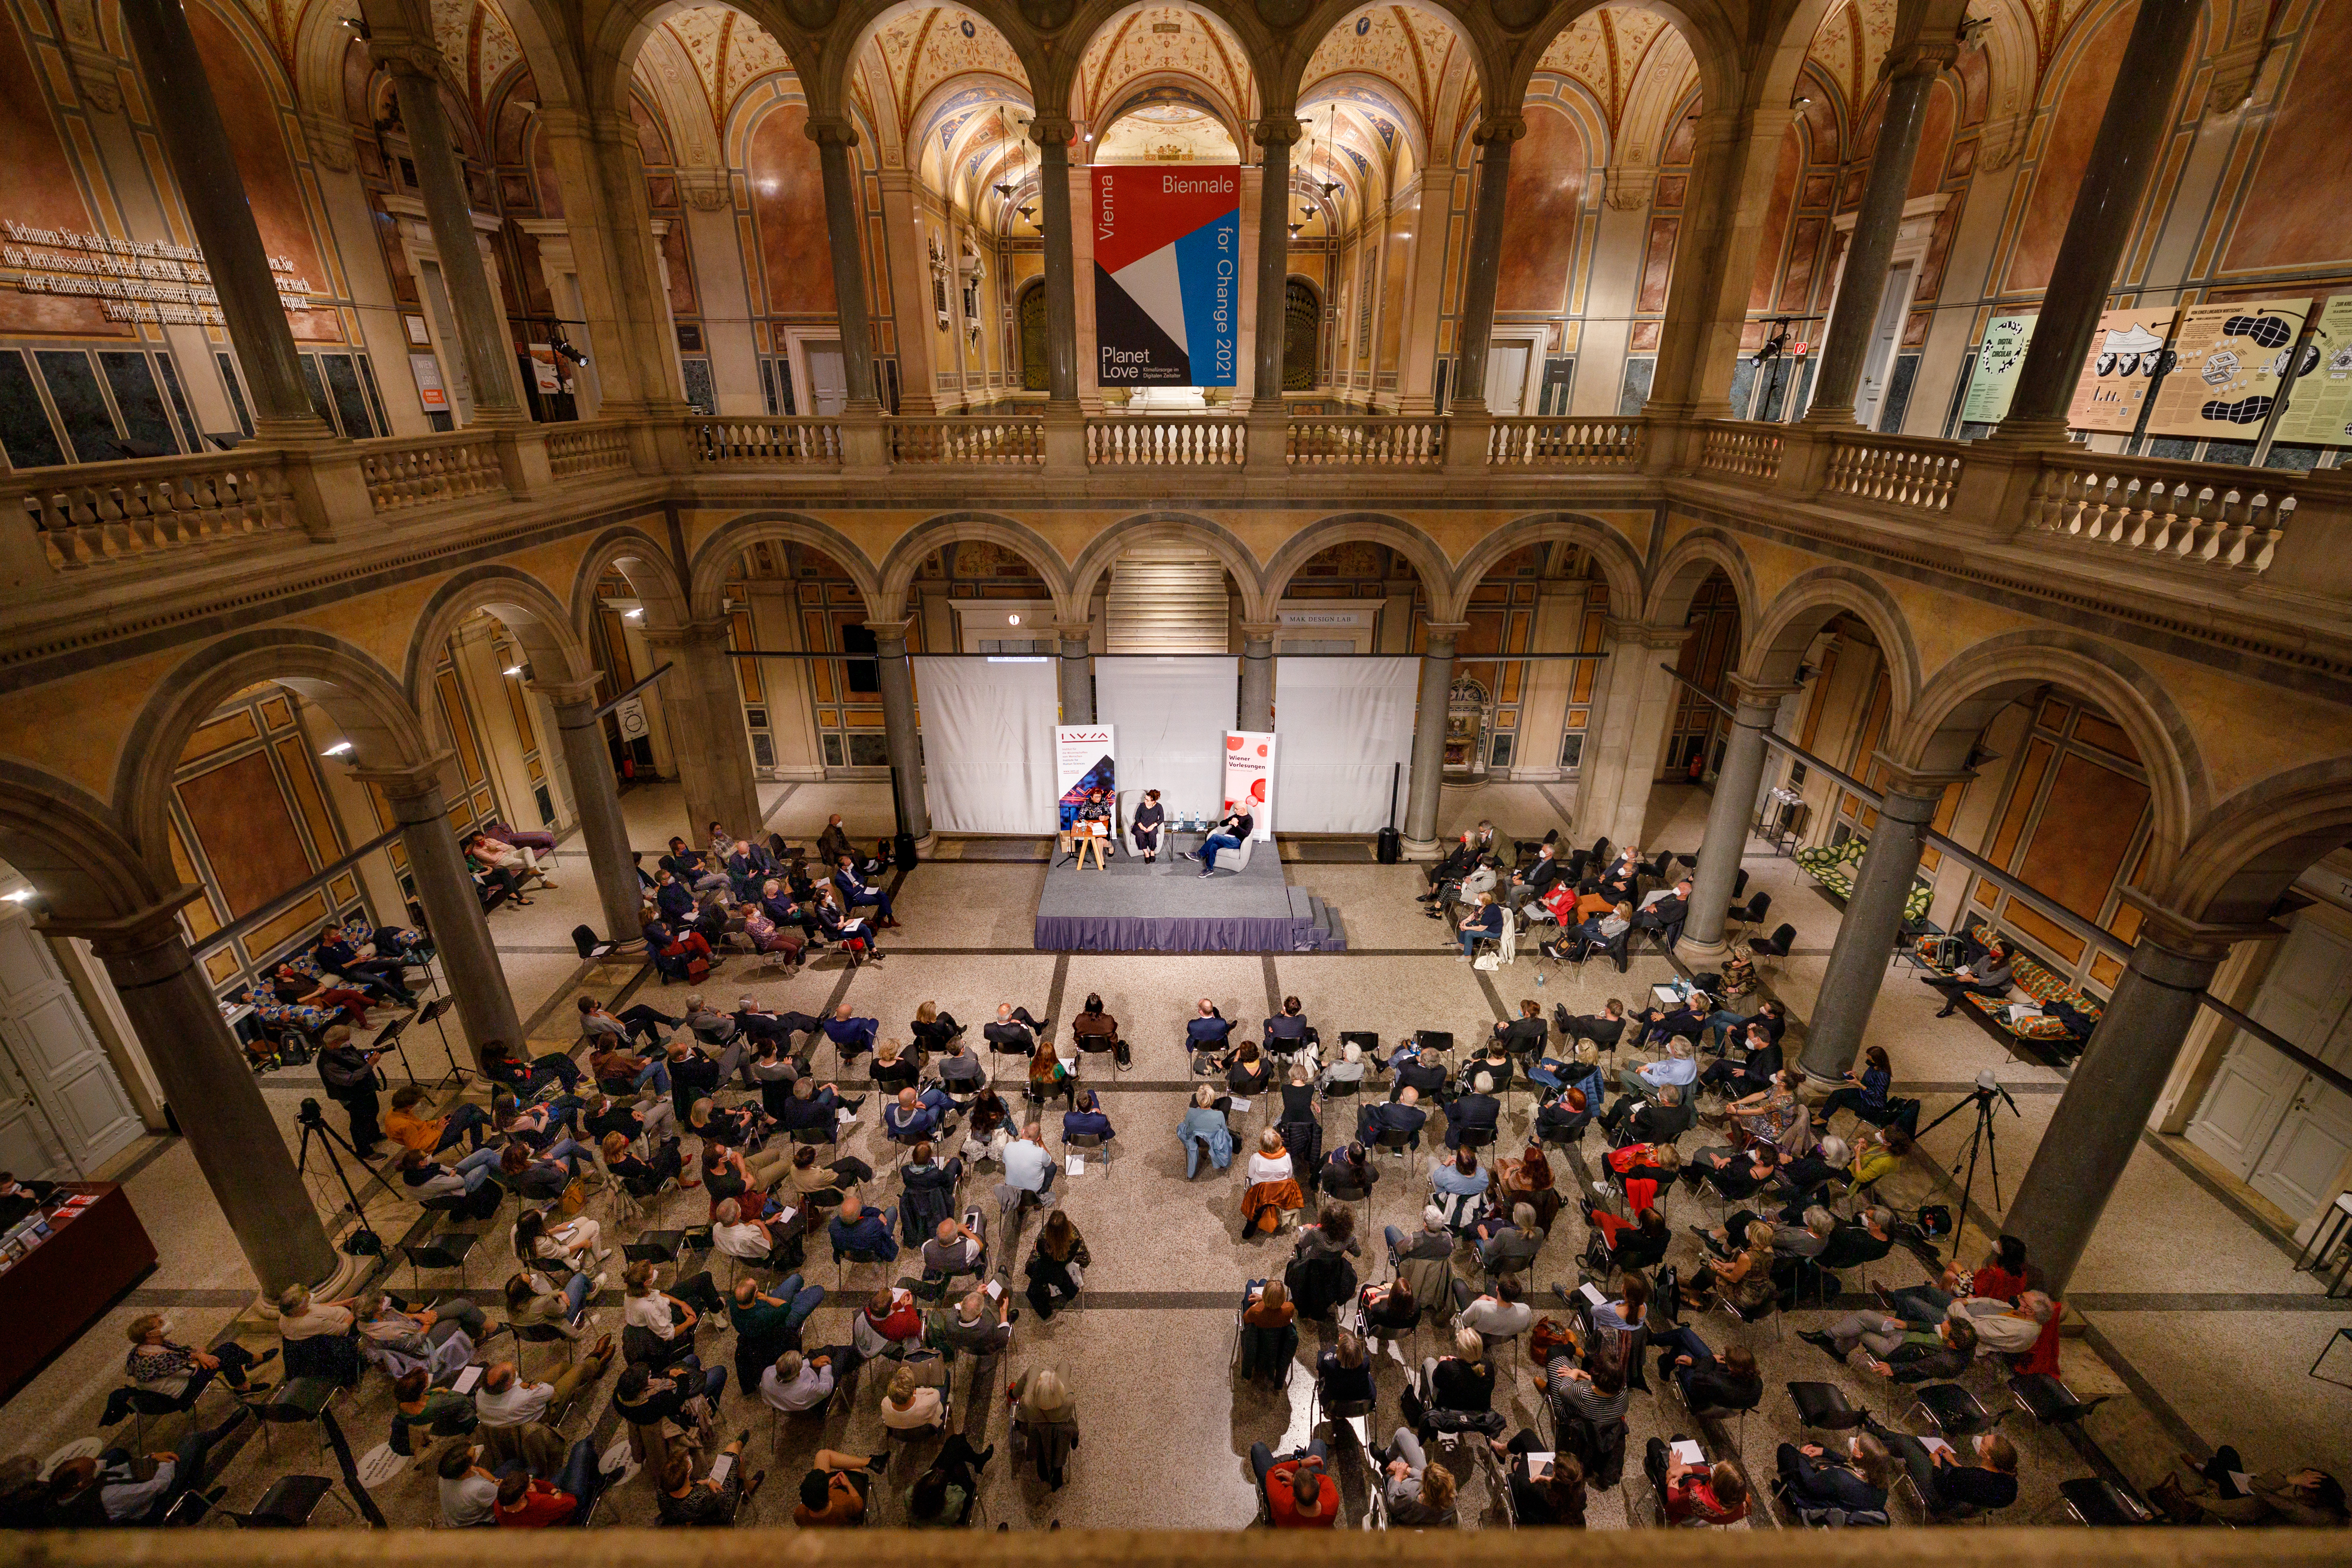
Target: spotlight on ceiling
x: 337, y: 750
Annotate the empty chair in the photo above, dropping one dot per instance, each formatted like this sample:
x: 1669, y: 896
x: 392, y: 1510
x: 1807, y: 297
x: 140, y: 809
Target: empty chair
x: 2049, y: 1401
x: 289, y: 1504
x: 1774, y: 948
x: 2102, y: 1505
x: 1955, y: 1412
x: 1822, y: 1407
x: 1752, y: 914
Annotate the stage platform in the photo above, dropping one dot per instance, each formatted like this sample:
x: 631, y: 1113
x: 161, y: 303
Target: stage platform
x: 1169, y: 906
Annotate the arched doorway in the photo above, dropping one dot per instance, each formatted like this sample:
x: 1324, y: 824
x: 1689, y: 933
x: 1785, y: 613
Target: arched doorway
x: 1030, y: 313
x: 1302, y: 335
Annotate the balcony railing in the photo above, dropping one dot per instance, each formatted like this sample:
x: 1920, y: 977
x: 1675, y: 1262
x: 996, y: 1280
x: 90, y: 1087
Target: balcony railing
x: 1178, y: 441
x: 982, y: 442
x: 1912, y: 472
x: 1741, y: 450
x: 1610, y: 446
x: 576, y: 451
x: 785, y: 443
x: 2162, y: 509
x: 1367, y: 441
x: 412, y: 471
x: 96, y: 512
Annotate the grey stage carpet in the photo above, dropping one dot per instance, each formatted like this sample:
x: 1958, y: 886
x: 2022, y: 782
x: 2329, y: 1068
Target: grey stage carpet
x: 1169, y: 906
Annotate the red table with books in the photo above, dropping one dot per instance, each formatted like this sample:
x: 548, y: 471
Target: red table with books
x: 51, y: 1291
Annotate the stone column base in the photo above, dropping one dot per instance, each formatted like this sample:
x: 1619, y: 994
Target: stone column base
x: 1419, y: 848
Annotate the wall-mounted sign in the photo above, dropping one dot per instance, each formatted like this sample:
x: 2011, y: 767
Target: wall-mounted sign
x: 2319, y: 408
x: 1994, y: 380
x: 546, y: 374
x: 131, y: 279
x: 2228, y: 362
x: 2125, y: 358
x: 427, y: 372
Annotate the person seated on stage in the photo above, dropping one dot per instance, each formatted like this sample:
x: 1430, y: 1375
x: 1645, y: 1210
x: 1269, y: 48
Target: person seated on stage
x: 1730, y: 1382
x: 1085, y: 1119
x: 1208, y: 1029
x: 1855, y: 1478
x: 1894, y: 1349
x: 1989, y: 976
x: 1526, y: 1034
x: 1013, y: 1030
x: 856, y: 894
x: 1403, y: 1114
x: 1234, y: 826
x: 1145, y: 829
x: 1713, y: 1494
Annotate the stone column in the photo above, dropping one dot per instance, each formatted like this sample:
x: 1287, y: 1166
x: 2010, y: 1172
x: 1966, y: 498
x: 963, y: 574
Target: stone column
x: 1257, y: 675
x: 1727, y: 815
x: 212, y: 1093
x: 482, y: 335
x: 704, y: 703
x: 899, y: 723
x: 844, y: 218
x: 1636, y: 707
x: 461, y: 936
x: 1429, y: 739
x: 920, y: 363
x: 603, y: 831
x: 1273, y: 134
x: 1077, y: 671
x: 1873, y: 915
x: 1052, y: 133
x: 2107, y: 1102
x: 2123, y: 159
x: 196, y: 146
x: 1733, y: 162
x: 1874, y: 229
x: 1495, y: 135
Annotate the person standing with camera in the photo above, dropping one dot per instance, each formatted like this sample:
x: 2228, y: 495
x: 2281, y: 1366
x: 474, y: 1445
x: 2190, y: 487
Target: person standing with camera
x: 348, y: 1075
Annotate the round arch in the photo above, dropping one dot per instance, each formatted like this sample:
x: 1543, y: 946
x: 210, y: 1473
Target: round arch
x: 888, y: 601
x: 1696, y: 555
x: 1776, y: 646
x: 610, y: 58
x: 532, y: 612
x: 1472, y: 21
x: 633, y: 553
x: 1711, y: 37
x: 1937, y: 734
x: 1161, y: 527
x: 2255, y: 844
x: 1619, y: 567
x: 717, y: 557
x: 361, y: 695
x: 1058, y: 85
x: 846, y: 36
x: 69, y: 846
x: 1428, y: 561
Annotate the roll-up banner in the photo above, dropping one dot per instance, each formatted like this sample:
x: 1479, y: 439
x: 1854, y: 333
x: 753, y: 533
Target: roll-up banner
x: 1168, y: 257
x: 1249, y: 778
x: 1086, y: 774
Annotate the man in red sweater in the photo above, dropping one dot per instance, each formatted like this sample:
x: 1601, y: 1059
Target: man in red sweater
x: 526, y: 1502
x: 1299, y: 1492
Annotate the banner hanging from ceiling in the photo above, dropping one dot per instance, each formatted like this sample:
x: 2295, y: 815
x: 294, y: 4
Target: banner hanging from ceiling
x: 1249, y: 778
x: 1167, y: 258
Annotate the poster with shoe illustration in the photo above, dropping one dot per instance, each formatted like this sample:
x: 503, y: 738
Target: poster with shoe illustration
x: 2319, y: 404
x: 2229, y: 360
x: 2125, y: 358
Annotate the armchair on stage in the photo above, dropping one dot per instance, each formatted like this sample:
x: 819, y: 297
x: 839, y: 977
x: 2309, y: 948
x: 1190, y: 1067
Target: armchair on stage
x: 1234, y: 859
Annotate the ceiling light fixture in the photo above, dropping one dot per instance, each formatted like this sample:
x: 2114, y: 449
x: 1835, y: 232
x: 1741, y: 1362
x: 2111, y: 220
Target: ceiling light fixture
x: 1013, y: 620
x: 22, y: 895
x: 514, y: 669
x: 633, y: 615
x: 337, y: 750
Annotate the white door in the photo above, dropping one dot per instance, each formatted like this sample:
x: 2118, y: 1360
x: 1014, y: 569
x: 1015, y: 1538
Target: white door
x: 2282, y: 1129
x: 828, y: 382
x: 1507, y: 376
x: 2298, y: 1169
x: 60, y: 1071
x: 1884, y: 333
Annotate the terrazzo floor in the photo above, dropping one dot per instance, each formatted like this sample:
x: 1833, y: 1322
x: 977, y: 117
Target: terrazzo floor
x: 2195, y: 1323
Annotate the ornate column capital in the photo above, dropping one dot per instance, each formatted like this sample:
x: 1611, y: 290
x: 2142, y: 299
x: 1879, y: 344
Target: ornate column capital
x: 116, y: 937
x: 410, y: 783
x: 1505, y: 128
x: 1443, y: 632
x: 1756, y: 700
x: 1074, y: 631
x: 831, y: 131
x: 2179, y: 950
x: 1277, y: 129
x: 1631, y: 633
x: 405, y: 56
x: 1899, y: 779
x: 706, y: 190
x: 1261, y: 631
x: 1052, y: 131
x: 1926, y: 57
x: 564, y: 694
x: 890, y: 637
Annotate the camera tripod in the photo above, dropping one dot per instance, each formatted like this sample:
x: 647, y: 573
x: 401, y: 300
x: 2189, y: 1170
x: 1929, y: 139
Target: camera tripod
x: 363, y: 1242
x: 1981, y: 1137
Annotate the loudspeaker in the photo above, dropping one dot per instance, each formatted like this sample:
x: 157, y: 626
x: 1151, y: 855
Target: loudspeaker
x: 1388, y: 846
x: 903, y: 851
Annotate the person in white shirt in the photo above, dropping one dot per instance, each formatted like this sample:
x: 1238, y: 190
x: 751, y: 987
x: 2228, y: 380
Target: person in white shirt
x: 797, y: 1382
x: 749, y: 1239
x: 1677, y: 1066
x: 1029, y: 1170
x: 508, y: 1399
x: 469, y: 1492
x: 911, y: 1403
x: 1271, y: 1160
x: 1499, y: 1314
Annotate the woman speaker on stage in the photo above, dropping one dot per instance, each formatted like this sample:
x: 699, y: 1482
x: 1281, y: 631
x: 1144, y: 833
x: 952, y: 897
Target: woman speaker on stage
x: 1146, y: 826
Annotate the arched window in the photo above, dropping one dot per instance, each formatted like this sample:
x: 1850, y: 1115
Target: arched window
x: 1302, y: 333
x: 1032, y: 314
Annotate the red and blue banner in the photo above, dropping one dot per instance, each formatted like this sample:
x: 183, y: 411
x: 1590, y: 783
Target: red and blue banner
x: 1168, y: 262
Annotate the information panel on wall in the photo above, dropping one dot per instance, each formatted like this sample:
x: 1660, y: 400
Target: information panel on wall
x: 2319, y: 408
x: 2125, y: 358
x: 1994, y: 380
x: 1168, y: 250
x: 1249, y: 778
x: 2228, y: 362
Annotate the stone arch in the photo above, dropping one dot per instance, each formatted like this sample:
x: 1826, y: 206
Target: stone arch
x: 1156, y: 527
x: 2254, y: 845
x: 609, y: 57
x: 888, y: 601
x: 1697, y: 555
x: 1713, y: 42
x: 1953, y: 707
x: 1776, y: 644
x: 1619, y: 567
x: 718, y: 554
x: 1056, y: 87
x: 523, y: 603
x: 70, y: 846
x: 1429, y: 562
x: 846, y: 36
x: 361, y: 696
x: 1474, y: 20
x: 634, y: 554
